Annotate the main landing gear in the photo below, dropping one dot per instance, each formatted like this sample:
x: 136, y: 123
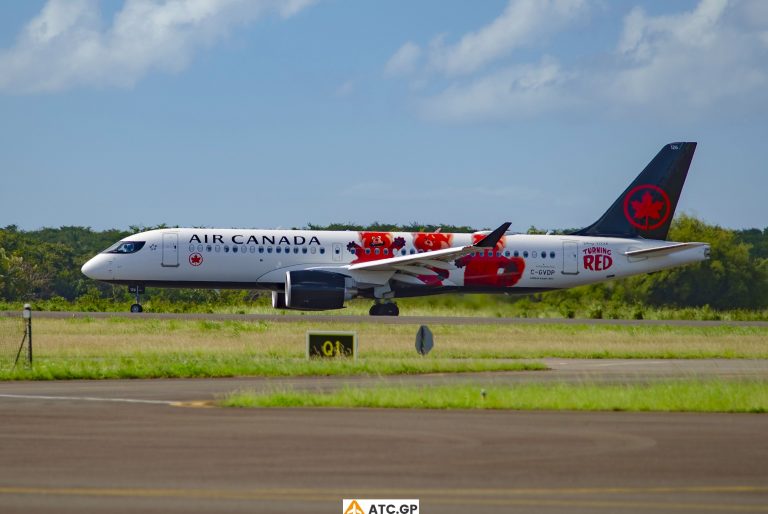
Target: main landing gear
x: 137, y: 289
x: 384, y: 309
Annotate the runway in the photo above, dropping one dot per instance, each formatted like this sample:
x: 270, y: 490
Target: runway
x: 282, y: 317
x: 141, y: 446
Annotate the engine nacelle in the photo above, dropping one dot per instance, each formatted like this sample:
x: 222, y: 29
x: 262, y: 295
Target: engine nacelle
x: 317, y: 290
x: 278, y: 300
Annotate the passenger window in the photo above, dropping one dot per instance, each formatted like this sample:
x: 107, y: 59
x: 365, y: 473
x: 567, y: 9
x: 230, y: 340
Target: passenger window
x: 402, y: 252
x: 386, y: 251
x: 525, y: 254
x: 226, y: 248
x: 516, y: 254
x: 413, y: 251
x: 208, y: 248
x: 551, y: 255
x: 506, y: 253
x: 322, y: 250
x: 191, y: 248
x: 218, y: 248
x: 352, y: 251
x: 234, y: 249
x: 278, y: 250
x: 544, y: 255
x: 199, y: 248
x: 296, y: 249
x: 313, y: 250
x: 376, y: 251
x: 269, y: 249
x: 367, y: 251
x: 261, y: 249
x: 304, y: 250
x: 533, y: 254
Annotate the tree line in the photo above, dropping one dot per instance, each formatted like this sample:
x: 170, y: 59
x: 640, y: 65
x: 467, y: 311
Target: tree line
x: 45, y: 264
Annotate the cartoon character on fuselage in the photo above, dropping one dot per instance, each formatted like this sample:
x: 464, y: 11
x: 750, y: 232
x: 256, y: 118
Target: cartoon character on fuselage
x: 490, y: 267
x: 430, y: 241
x: 375, y: 245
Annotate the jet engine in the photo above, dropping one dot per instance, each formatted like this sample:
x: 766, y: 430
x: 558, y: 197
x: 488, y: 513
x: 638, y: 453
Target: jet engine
x: 278, y: 300
x: 317, y: 290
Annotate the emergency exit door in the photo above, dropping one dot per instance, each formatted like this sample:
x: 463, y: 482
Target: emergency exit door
x: 570, y: 258
x: 171, y: 250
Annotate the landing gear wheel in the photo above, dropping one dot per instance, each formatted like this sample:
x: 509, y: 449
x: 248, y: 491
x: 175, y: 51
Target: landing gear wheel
x: 391, y: 309
x: 384, y: 309
x: 137, y: 289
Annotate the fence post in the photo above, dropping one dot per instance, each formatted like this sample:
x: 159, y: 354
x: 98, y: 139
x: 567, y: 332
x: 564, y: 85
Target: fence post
x: 27, y: 315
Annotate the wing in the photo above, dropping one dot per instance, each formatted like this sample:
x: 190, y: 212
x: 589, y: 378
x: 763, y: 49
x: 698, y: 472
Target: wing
x: 420, y: 263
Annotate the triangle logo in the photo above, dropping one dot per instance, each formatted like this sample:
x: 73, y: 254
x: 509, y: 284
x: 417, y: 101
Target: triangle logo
x: 354, y: 508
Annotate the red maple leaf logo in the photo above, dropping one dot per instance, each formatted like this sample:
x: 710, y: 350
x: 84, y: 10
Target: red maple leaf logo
x: 195, y: 259
x: 646, y: 208
x: 653, y: 204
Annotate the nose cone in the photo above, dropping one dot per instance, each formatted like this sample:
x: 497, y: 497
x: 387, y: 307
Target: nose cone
x: 98, y: 268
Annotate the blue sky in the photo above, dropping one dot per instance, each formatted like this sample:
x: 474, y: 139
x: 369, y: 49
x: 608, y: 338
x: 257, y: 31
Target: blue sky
x: 267, y: 113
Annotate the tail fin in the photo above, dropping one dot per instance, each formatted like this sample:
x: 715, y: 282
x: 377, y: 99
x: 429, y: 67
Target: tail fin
x: 645, y: 209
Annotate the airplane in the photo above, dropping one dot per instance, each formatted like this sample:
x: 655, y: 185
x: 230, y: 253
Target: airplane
x: 320, y: 270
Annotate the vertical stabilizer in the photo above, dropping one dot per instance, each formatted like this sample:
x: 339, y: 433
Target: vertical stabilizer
x: 646, y: 207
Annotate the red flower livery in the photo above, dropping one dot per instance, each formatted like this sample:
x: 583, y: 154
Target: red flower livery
x: 375, y: 246
x: 429, y: 242
x: 491, y: 267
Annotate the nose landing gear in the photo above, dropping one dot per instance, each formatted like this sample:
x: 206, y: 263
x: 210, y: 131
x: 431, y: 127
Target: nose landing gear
x: 384, y: 309
x: 137, y: 289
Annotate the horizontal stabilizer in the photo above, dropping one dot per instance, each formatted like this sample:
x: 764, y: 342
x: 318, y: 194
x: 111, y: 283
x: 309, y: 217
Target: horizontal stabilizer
x: 663, y: 250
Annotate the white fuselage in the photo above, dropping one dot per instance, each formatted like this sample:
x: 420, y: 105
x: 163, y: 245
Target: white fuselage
x: 259, y: 259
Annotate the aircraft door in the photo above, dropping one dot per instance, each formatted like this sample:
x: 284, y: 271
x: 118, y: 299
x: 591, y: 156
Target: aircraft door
x: 570, y: 258
x: 337, y: 251
x: 171, y: 249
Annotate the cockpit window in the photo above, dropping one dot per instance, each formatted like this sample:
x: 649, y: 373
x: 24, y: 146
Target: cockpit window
x: 125, y: 247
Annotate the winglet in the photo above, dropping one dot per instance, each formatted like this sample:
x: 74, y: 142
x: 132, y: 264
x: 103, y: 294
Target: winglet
x: 491, y: 239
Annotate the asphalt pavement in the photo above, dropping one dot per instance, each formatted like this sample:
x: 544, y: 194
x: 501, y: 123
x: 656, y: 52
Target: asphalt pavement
x: 155, y: 446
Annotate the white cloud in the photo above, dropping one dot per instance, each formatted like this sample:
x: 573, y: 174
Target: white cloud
x: 517, y: 91
x: 691, y: 59
x: 66, y: 44
x: 346, y: 88
x: 523, y: 22
x: 403, y: 61
x: 689, y: 63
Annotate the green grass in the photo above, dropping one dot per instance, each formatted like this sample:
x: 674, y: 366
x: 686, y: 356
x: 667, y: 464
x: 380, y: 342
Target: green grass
x: 207, y: 364
x: 133, y: 347
x: 550, y: 305
x: 673, y: 396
